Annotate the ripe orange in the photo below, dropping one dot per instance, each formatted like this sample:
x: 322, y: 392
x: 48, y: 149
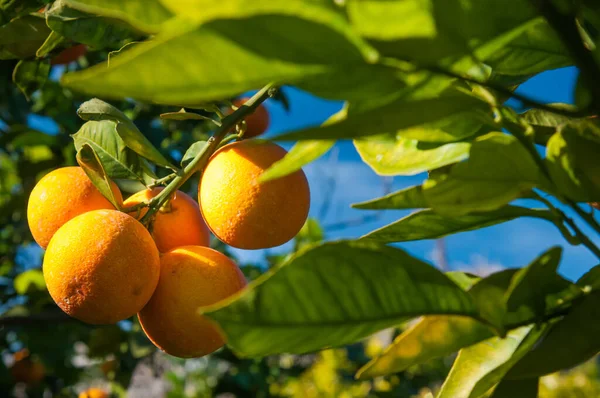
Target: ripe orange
x: 257, y: 122
x: 58, y: 197
x: 190, y: 277
x: 247, y: 214
x: 26, y: 369
x: 93, y: 393
x: 69, y: 55
x: 181, y: 224
x: 101, y: 267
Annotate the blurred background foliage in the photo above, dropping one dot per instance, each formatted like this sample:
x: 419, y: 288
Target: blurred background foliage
x: 44, y: 353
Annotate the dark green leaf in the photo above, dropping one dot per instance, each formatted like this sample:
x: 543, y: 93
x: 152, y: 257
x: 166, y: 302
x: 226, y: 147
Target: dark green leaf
x: 324, y: 297
x: 10, y: 10
x: 182, y: 114
x: 450, y: 129
x: 30, y: 76
x: 294, y: 31
x: 392, y: 154
x: 96, y: 109
x: 22, y: 37
x: 118, y: 161
x: 573, y: 166
x: 526, y: 388
x: 145, y: 15
x: 89, y: 161
x: 192, y: 152
x: 29, y: 281
x: 572, y: 340
x: 408, y: 198
x: 432, y: 337
x: 427, y: 224
x: 301, y: 154
x: 499, y: 170
x: 590, y: 280
x: 545, y: 123
x: 538, y: 287
x: 85, y: 28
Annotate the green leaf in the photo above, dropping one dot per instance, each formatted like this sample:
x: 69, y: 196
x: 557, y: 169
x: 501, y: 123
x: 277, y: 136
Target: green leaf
x: 499, y: 170
x: 10, y: 10
x: 182, y: 114
x: 526, y: 388
x: 390, y: 117
x: 479, y: 367
x: 572, y: 163
x: 394, y: 155
x: 590, y: 280
x: 22, y: 37
x: 545, y: 123
x: 30, y: 76
x: 29, y: 281
x: 537, y: 49
x: 192, y: 152
x: 407, y: 198
x: 324, y: 297
x: 90, y: 163
x: 96, y: 109
x: 145, y: 15
x: 427, y: 224
x: 301, y: 154
x: 53, y: 41
x: 572, y: 340
x: 118, y: 161
x: 450, y: 129
x: 85, y: 28
x: 431, y: 337
x: 379, y: 19
x: 292, y: 30
x: 538, y: 287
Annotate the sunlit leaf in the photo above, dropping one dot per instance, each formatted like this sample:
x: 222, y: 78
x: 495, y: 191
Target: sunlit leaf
x: 90, y: 163
x: 324, y: 297
x: 302, y: 153
x: 407, y: 198
x: 28, y: 281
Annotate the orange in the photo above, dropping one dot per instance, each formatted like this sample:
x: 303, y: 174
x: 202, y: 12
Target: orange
x: 26, y: 369
x: 179, y: 224
x: 257, y: 122
x: 93, y: 393
x: 190, y: 277
x: 247, y: 214
x: 101, y: 267
x: 58, y: 197
x: 69, y: 55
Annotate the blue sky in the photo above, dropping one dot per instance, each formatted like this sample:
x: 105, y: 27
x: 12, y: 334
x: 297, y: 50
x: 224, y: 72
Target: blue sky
x: 512, y: 244
x: 340, y: 178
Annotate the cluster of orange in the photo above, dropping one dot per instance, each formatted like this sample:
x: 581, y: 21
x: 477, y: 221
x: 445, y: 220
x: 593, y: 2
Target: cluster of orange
x: 102, y: 265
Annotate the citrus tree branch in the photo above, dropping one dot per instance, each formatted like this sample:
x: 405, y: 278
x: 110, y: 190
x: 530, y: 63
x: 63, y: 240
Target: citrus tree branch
x: 212, y: 145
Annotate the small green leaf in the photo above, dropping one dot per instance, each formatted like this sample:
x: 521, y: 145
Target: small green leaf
x: 479, y: 367
x: 572, y: 340
x: 118, y: 161
x: 192, y: 152
x: 526, y: 388
x: 427, y: 224
x: 432, y: 337
x: 572, y: 163
x: 324, y: 297
x: 395, y: 155
x: 29, y: 281
x: 407, y: 198
x: 22, y: 37
x: 182, y: 114
x: 96, y: 109
x: 300, y: 155
x: 94, y: 31
x: 499, y: 170
x: 145, y: 15
x: 53, y: 41
x: 89, y: 161
x: 30, y: 76
x: 545, y: 123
